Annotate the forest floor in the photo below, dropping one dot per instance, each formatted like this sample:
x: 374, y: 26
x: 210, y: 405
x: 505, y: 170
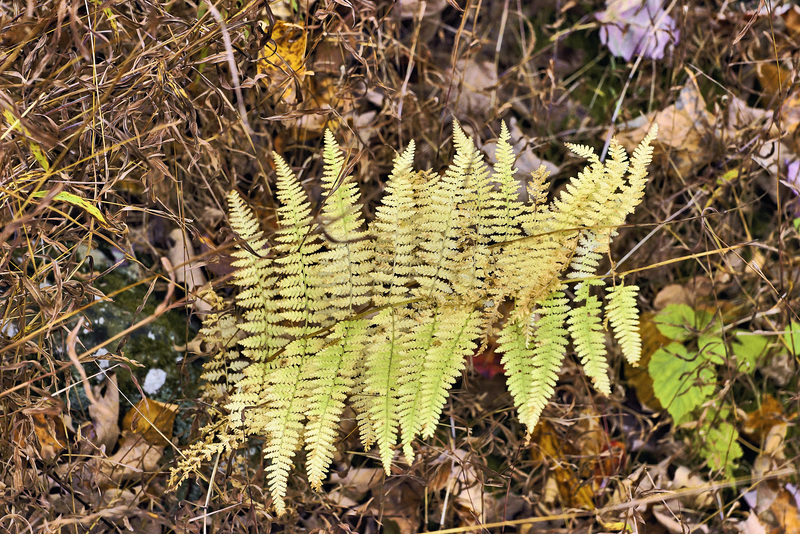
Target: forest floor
x: 126, y: 124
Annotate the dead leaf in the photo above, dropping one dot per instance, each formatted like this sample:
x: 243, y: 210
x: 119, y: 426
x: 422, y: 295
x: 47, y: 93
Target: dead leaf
x: 105, y: 414
x: 783, y: 513
x: 550, y: 448
x: 751, y: 525
x: 187, y: 271
x: 476, y: 80
x: 684, y: 129
x: 671, y: 294
x: 672, y: 518
x: 50, y: 432
x: 685, y: 479
x: 460, y: 479
x: 408, y: 9
x: 358, y: 481
x: 768, y: 427
x: 151, y: 419
x: 780, y: 368
x: 283, y: 60
x: 134, y: 458
x: 774, y: 81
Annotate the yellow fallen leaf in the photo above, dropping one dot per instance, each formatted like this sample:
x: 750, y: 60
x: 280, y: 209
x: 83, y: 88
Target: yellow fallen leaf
x: 151, y: 419
x: 283, y: 60
x: 15, y: 124
x: 77, y: 201
x: 549, y: 447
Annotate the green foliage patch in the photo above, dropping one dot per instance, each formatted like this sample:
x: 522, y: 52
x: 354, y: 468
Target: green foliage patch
x: 685, y: 372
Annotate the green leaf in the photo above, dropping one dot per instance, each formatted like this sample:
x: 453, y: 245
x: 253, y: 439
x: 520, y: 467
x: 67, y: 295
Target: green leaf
x: 713, y: 348
x: 681, y: 381
x: 748, y: 349
x: 720, y: 446
x: 680, y: 322
x: 75, y: 200
x: 792, y: 338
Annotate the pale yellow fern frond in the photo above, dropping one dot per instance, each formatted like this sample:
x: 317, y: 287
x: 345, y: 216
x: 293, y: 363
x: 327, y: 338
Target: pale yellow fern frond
x: 386, y: 314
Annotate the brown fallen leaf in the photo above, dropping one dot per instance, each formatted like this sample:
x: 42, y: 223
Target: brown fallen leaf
x: 460, y: 479
x: 46, y: 424
x: 573, y: 490
x: 134, y: 458
x: 783, y: 516
x: 105, y: 414
x: 684, y: 131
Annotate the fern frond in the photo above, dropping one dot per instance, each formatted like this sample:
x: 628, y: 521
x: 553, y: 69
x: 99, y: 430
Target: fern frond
x: 587, y: 334
x: 517, y: 360
x: 445, y: 360
x: 347, y: 264
x: 223, y: 370
x: 418, y: 342
x: 477, y: 214
x: 395, y: 261
x: 442, y: 227
x: 330, y: 383
x: 301, y: 296
x: 394, y: 230
x: 386, y: 352
x: 637, y: 178
x: 532, y: 366
x: 255, y: 275
x: 551, y: 346
x: 623, y: 315
x: 505, y: 204
x: 285, y: 395
x: 387, y: 315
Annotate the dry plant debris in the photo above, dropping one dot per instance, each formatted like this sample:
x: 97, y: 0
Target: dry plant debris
x: 125, y: 124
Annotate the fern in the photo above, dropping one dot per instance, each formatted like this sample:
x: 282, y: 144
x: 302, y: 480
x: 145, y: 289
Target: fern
x: 621, y: 313
x: 384, y: 316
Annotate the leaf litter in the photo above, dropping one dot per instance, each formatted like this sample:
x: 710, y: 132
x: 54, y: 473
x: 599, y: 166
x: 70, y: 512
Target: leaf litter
x: 122, y: 132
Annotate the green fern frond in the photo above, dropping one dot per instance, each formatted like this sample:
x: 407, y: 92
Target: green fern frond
x: 532, y: 366
x: 517, y: 361
x: 445, y: 360
x: 331, y: 381
x: 395, y: 263
x: 551, y: 347
x: 623, y: 315
x: 386, y: 352
x: 586, y: 330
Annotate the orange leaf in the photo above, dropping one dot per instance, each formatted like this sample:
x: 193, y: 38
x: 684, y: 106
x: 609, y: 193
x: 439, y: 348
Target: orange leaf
x: 152, y: 419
